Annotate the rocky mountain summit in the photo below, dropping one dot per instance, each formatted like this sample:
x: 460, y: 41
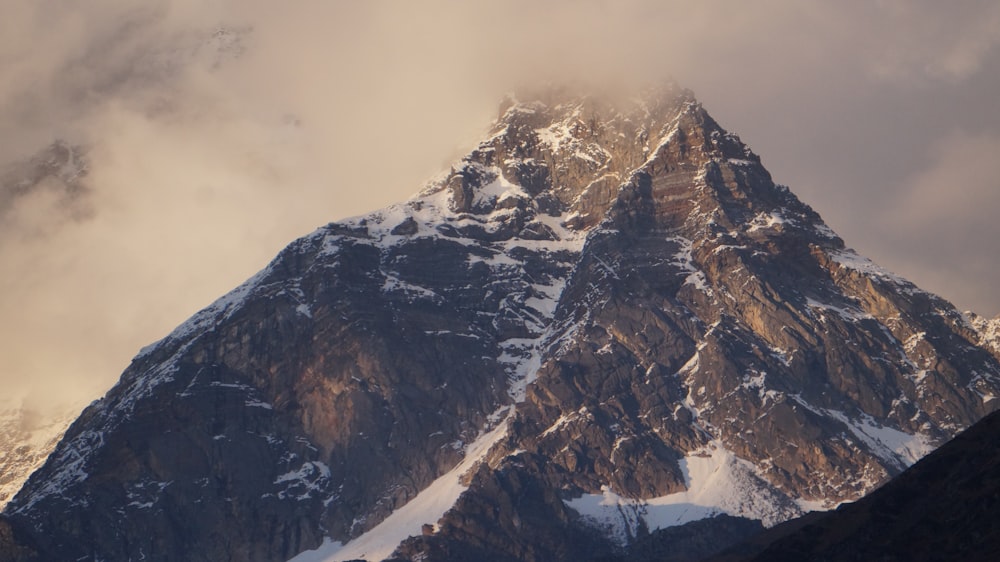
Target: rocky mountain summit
x: 605, y: 323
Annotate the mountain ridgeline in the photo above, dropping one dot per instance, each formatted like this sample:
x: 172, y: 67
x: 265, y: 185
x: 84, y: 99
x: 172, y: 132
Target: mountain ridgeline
x: 606, y: 325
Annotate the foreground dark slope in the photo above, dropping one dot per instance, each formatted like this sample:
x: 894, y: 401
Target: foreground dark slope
x: 945, y: 507
x: 634, y: 324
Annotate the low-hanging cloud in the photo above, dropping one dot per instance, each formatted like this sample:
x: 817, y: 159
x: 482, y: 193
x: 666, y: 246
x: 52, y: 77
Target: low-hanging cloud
x: 215, y: 132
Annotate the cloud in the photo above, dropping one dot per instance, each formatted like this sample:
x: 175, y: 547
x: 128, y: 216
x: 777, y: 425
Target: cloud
x: 935, y: 40
x: 218, y: 131
x: 210, y: 143
x: 942, y: 228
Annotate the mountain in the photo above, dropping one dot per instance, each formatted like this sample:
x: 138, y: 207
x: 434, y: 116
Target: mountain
x: 942, y: 508
x: 27, y: 436
x: 604, y: 327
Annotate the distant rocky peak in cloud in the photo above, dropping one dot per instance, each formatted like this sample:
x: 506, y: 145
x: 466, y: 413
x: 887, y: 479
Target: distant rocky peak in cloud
x: 56, y: 174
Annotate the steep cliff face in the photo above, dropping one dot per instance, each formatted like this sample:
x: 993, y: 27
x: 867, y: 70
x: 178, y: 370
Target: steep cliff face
x: 606, y: 317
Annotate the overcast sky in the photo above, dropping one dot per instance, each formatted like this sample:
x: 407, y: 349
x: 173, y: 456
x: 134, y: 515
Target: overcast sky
x: 210, y: 152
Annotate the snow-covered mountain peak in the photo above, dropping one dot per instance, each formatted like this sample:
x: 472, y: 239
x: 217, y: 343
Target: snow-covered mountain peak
x: 606, y: 315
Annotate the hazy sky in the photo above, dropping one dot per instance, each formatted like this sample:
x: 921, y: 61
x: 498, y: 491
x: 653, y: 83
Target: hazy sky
x: 211, y: 151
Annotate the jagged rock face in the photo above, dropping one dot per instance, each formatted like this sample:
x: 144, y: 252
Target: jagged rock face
x: 942, y: 508
x: 606, y: 316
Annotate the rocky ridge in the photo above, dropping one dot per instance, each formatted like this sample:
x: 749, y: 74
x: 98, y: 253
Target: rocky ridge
x: 607, y: 316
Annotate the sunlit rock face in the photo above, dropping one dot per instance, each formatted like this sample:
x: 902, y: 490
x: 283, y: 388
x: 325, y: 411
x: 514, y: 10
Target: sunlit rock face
x: 604, y: 321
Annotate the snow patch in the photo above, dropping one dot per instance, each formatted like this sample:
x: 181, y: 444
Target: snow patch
x: 301, y: 484
x: 717, y: 482
x: 325, y: 552
x: 891, y: 445
x: 498, y: 191
x: 684, y: 260
x: 770, y: 221
x: 852, y: 260
x: 395, y: 284
x: 894, y: 447
x: 848, y: 314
